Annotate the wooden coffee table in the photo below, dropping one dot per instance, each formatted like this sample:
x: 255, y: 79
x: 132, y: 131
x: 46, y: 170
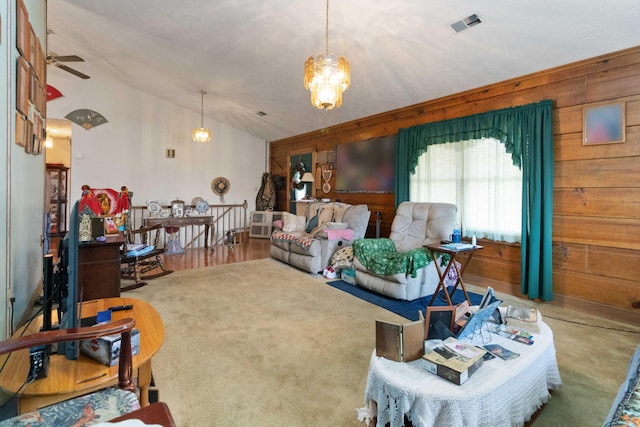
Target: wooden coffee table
x: 70, y: 378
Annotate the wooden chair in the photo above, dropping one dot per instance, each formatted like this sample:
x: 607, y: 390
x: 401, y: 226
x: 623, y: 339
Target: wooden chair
x: 75, y: 408
x: 136, y: 266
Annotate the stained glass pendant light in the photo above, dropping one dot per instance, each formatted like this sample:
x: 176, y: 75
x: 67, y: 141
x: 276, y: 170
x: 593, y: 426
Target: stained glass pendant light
x: 201, y: 134
x: 327, y: 76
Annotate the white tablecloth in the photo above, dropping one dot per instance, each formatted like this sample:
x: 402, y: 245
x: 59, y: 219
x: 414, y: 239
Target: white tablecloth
x: 499, y: 393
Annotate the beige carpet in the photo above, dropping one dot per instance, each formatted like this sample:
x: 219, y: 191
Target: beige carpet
x: 259, y: 343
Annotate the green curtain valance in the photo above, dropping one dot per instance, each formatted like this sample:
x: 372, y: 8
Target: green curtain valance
x: 527, y: 132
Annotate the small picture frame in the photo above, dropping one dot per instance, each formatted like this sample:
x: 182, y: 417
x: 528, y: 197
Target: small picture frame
x: 445, y: 314
x: 110, y: 226
x: 21, y: 130
x: 604, y: 123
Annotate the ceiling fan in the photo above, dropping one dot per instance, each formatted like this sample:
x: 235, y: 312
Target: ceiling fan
x: 53, y: 59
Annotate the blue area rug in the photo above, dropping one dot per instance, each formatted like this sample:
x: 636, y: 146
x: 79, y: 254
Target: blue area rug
x: 406, y: 309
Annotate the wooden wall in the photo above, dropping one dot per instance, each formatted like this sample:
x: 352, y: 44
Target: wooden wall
x: 596, y: 224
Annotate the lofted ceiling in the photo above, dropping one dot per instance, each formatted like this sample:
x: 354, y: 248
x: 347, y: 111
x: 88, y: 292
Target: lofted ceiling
x: 248, y: 55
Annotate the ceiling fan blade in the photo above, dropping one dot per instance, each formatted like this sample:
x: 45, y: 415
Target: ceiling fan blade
x: 72, y: 71
x: 67, y: 58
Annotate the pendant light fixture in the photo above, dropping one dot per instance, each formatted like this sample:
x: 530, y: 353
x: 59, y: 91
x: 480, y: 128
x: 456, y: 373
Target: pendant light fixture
x: 201, y: 134
x: 327, y: 76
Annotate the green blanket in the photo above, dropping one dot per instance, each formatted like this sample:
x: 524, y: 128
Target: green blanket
x: 380, y: 257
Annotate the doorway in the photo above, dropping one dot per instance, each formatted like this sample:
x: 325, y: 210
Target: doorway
x: 57, y: 179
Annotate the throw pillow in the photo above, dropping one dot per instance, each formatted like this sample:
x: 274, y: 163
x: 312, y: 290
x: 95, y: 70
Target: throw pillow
x: 343, y: 258
x: 293, y: 223
x: 313, y: 223
x: 325, y: 215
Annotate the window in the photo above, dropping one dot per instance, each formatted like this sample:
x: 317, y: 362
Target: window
x: 479, y: 177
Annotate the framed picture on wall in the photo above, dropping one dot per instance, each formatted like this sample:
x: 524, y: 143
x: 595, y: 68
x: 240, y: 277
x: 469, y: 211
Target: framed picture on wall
x: 23, y: 29
x: 22, y: 86
x: 604, y: 124
x: 21, y: 130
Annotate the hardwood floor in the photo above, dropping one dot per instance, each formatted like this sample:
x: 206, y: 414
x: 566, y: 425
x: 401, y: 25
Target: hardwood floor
x: 205, y: 257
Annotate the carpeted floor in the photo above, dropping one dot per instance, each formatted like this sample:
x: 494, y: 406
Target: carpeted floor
x: 407, y: 309
x: 260, y: 343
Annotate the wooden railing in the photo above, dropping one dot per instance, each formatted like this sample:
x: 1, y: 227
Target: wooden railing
x: 226, y: 218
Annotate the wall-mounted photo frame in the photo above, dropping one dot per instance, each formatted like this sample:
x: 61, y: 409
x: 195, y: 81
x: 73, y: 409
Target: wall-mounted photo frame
x: 604, y: 123
x: 22, y: 86
x: 445, y: 314
x: 28, y: 142
x: 21, y: 130
x: 23, y: 30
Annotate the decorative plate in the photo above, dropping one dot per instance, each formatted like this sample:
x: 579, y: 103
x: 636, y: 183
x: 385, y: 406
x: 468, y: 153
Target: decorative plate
x: 196, y: 200
x: 154, y: 207
x: 220, y: 186
x: 202, y: 206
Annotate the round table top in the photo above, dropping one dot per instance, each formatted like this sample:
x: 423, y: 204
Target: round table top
x: 66, y: 376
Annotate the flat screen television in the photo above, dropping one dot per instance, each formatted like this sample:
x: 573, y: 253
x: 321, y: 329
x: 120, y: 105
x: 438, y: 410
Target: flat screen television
x: 69, y: 265
x: 366, y: 166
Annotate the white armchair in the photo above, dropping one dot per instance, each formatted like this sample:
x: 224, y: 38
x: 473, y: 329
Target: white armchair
x: 399, y: 267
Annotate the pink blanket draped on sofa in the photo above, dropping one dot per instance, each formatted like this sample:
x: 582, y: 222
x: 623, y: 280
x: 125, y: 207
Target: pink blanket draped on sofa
x: 346, y: 234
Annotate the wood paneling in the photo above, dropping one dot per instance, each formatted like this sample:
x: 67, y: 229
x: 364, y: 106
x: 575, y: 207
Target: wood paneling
x: 596, y: 188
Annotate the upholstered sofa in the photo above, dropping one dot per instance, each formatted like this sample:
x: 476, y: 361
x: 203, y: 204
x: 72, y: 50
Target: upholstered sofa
x: 399, y: 267
x: 308, y: 241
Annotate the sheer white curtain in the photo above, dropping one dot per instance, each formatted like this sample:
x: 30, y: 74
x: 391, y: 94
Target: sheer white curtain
x: 479, y: 177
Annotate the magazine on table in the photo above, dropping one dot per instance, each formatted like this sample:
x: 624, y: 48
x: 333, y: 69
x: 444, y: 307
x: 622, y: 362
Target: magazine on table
x: 500, y: 351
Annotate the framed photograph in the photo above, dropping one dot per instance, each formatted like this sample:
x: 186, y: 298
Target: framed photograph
x: 21, y: 130
x: 110, y: 226
x: 23, y: 29
x: 32, y: 47
x: 28, y: 142
x: 444, y: 314
x: 604, y: 124
x: 22, y: 86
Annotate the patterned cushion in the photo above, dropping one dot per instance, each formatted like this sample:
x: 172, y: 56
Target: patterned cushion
x: 343, y: 258
x: 293, y: 223
x: 628, y: 411
x: 93, y: 408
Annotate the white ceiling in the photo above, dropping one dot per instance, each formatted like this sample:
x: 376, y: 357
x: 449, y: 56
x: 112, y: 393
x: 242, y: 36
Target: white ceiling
x: 249, y: 54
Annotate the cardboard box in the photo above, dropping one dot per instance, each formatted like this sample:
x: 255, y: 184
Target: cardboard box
x: 106, y: 350
x: 348, y: 275
x: 452, y: 366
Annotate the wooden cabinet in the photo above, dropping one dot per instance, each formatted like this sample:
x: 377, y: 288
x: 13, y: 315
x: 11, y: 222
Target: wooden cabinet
x: 99, y: 268
x: 57, y: 192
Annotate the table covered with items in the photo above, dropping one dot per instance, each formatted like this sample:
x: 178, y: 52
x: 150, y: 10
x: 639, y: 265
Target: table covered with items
x: 501, y: 392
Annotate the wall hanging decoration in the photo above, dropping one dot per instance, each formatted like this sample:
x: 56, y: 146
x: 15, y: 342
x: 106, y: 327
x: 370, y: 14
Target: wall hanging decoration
x: 604, y: 124
x: 220, y: 186
x: 86, y: 118
x: 53, y: 93
x: 326, y: 177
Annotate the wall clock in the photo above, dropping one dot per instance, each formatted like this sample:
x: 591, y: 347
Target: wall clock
x: 220, y: 186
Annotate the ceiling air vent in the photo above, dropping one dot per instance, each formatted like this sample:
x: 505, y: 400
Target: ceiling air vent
x: 465, y: 23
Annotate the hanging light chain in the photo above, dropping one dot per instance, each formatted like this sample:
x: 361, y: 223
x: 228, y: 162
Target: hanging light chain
x: 202, y: 108
x: 326, y: 31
